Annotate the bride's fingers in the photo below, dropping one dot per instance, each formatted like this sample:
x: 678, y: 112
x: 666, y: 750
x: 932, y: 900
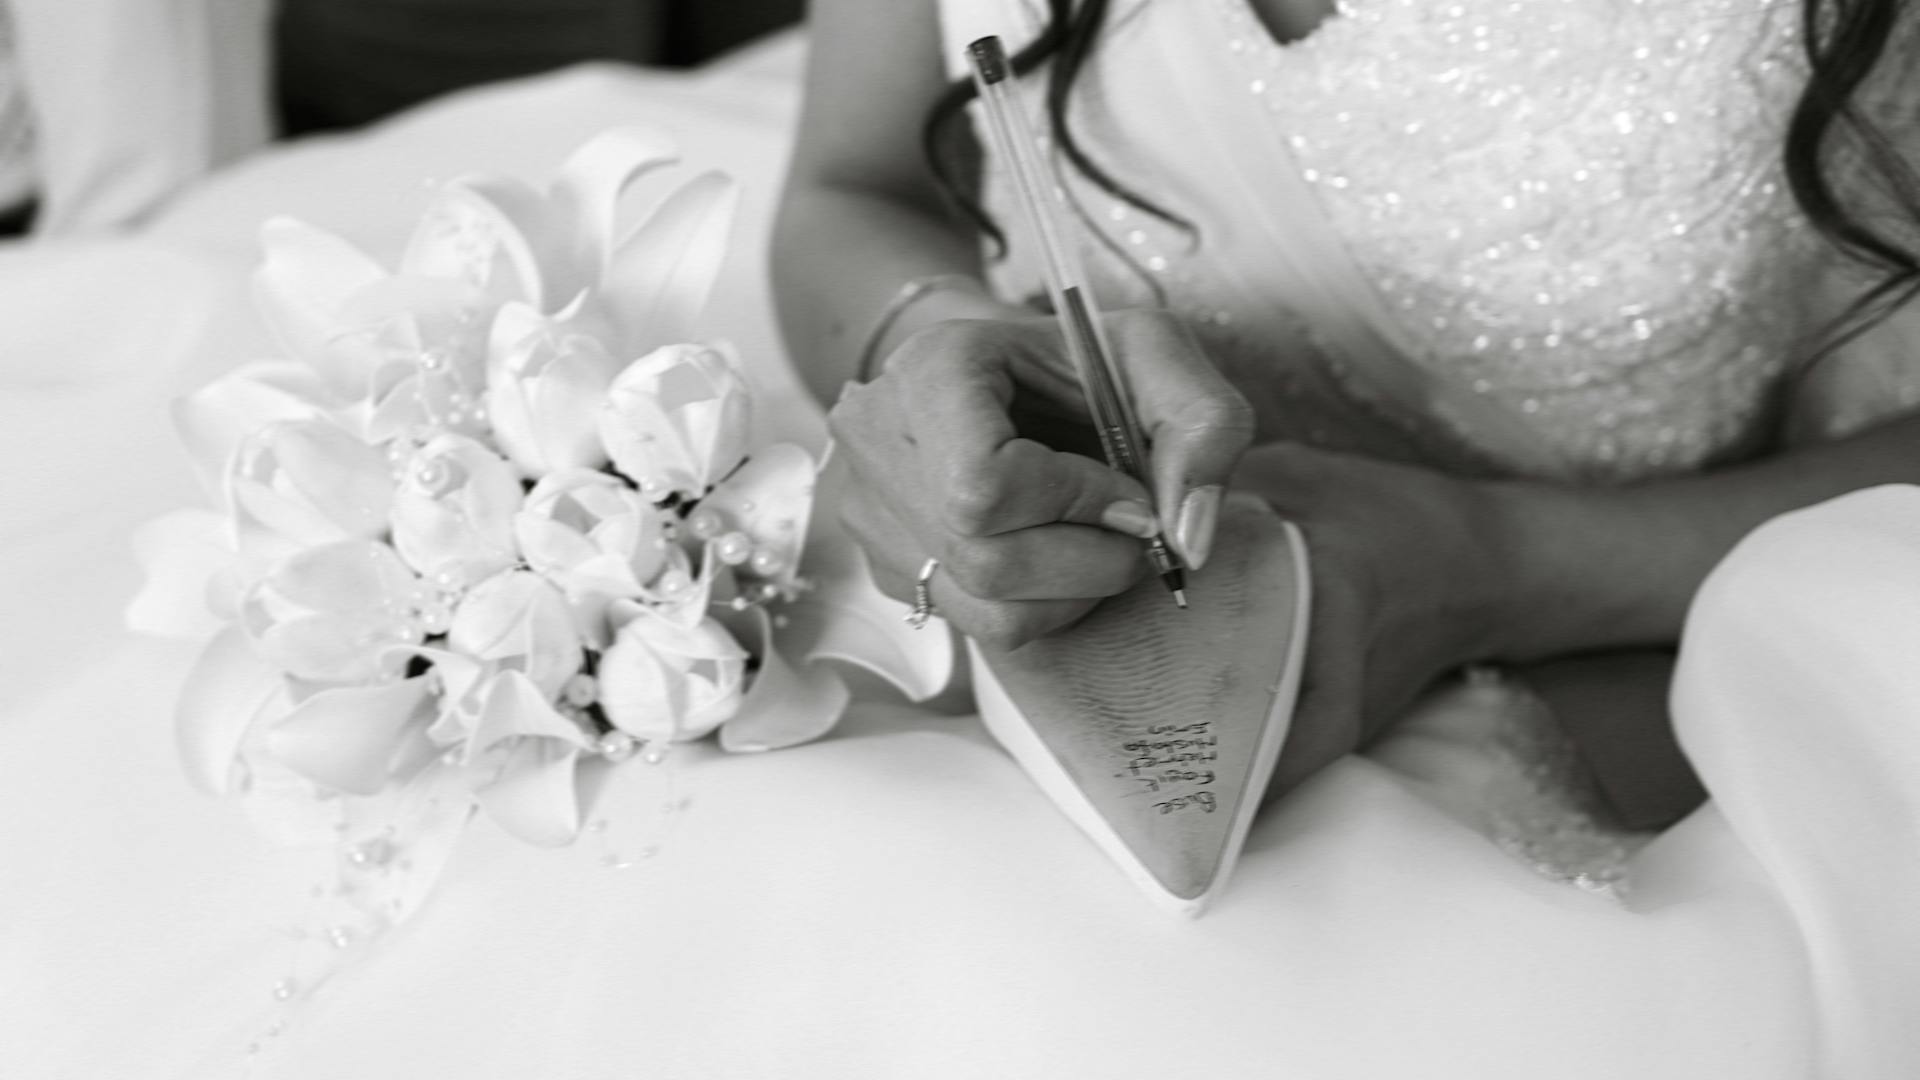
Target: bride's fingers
x: 897, y: 557
x: 1197, y: 423
x: 1055, y: 562
x: 989, y: 480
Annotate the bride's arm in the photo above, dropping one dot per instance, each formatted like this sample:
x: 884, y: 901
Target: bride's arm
x: 1417, y: 573
x: 1615, y: 567
x: 860, y: 215
x: 944, y: 446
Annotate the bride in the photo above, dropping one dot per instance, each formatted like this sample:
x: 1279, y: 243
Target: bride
x: 898, y: 900
x: 1527, y: 320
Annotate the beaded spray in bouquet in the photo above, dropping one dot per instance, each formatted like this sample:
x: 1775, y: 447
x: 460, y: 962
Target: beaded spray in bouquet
x: 493, y: 525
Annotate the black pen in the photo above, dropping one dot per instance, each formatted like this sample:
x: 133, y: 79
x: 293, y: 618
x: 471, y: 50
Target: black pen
x: 1120, y: 436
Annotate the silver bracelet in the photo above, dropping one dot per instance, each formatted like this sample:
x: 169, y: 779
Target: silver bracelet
x: 909, y: 294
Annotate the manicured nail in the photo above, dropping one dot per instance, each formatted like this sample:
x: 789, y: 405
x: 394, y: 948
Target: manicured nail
x: 1193, y: 533
x: 1130, y: 516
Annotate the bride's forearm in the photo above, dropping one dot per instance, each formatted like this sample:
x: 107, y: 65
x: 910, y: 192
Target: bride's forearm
x: 840, y: 257
x: 1601, y: 568
x: 862, y: 214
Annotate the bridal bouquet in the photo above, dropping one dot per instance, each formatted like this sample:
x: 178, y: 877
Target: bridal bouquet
x: 494, y: 521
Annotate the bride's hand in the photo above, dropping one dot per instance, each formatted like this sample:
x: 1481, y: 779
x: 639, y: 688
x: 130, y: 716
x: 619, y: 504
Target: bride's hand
x: 964, y: 450
x: 1408, y: 584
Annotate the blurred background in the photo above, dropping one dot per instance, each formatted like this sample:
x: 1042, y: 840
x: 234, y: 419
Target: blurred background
x: 340, y: 63
x: 109, y: 107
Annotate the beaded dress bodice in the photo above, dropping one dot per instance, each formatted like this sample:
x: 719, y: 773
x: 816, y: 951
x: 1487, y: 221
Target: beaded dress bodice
x: 1547, y: 238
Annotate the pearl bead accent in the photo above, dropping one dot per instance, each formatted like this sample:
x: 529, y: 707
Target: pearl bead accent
x: 733, y: 548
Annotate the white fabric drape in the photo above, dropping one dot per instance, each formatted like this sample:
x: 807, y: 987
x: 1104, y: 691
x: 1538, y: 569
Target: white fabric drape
x: 133, y: 99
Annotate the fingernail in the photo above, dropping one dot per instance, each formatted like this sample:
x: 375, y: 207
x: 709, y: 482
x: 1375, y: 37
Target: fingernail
x: 1130, y: 516
x: 1193, y: 533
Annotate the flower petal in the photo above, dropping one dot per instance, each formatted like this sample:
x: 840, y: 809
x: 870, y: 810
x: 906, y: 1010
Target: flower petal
x: 181, y: 554
x: 663, y: 681
x: 348, y: 738
x: 544, y: 389
x: 453, y: 510
x: 515, y: 707
x: 520, y: 619
x: 305, y: 280
x: 491, y: 232
x: 658, y: 279
x: 787, y: 705
x: 846, y: 617
x: 678, y: 418
x: 770, y: 498
x: 586, y: 195
x: 349, y: 576
x: 534, y: 797
x: 227, y: 690
x: 306, y: 482
x: 215, y: 419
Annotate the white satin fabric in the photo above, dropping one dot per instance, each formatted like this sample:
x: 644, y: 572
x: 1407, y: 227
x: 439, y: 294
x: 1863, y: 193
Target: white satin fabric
x: 896, y: 900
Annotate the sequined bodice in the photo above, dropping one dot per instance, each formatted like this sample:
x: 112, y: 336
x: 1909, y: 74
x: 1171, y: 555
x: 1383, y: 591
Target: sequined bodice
x: 1561, y: 222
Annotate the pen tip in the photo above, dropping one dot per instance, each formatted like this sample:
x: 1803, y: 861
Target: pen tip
x: 1180, y: 597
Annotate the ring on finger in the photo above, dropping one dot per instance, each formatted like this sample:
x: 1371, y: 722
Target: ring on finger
x: 923, y: 595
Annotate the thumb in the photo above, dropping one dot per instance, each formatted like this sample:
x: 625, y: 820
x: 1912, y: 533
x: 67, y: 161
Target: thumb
x: 1196, y: 423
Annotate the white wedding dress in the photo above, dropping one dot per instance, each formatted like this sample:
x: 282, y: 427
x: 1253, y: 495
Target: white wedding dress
x: 897, y: 900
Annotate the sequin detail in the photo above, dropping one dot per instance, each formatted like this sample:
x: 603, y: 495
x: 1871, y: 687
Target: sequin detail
x: 1575, y: 207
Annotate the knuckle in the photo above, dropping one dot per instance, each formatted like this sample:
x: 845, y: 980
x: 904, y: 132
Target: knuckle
x: 859, y: 419
x: 980, y: 569
x: 843, y: 423
x: 1224, y: 411
x: 974, y: 498
x: 1228, y: 410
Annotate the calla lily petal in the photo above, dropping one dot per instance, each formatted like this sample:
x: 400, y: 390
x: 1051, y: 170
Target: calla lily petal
x: 308, y: 482
x: 214, y: 420
x: 520, y: 620
x: 586, y: 195
x: 770, y: 499
x: 182, y: 555
x: 678, y: 419
x: 544, y: 388
x: 664, y: 681
x: 534, y: 797
x: 228, y: 689
x: 345, y: 577
x: 306, y: 279
x: 593, y: 536
x: 846, y: 617
x: 484, y: 230
x: 453, y: 510
x: 338, y: 613
x: 787, y: 705
x: 349, y: 738
x: 659, y: 278
x: 516, y: 708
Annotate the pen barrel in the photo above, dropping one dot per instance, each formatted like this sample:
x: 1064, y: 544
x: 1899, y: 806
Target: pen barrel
x: 1044, y: 199
x: 1120, y: 435
x: 1045, y: 206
